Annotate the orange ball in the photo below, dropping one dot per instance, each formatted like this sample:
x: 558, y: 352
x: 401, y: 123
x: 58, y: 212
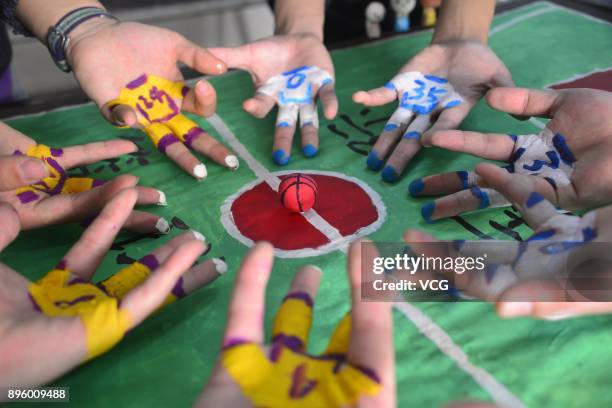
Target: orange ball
x: 298, y: 192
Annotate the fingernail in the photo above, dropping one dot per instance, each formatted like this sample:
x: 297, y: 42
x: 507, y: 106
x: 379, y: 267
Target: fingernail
x: 558, y: 316
x: 200, y: 171
x: 232, y: 162
x: 310, y: 151
x: 197, y: 235
x: 427, y: 211
x: 33, y: 170
x: 201, y: 87
x: 515, y: 309
x: 279, y: 157
x: 389, y: 174
x: 416, y: 187
x: 220, y: 67
x: 162, y: 199
x: 374, y: 162
x: 162, y: 226
x: 220, y: 265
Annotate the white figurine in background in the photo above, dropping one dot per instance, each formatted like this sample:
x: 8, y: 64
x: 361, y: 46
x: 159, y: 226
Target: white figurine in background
x: 402, y: 8
x: 375, y: 14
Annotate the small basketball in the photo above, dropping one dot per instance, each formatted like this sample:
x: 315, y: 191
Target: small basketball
x: 298, y: 192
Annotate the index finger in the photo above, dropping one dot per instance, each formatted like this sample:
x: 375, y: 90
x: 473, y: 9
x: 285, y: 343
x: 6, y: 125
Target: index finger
x: 81, y: 155
x: 247, y: 307
x: 371, y: 343
x: 85, y: 256
x: 524, y: 102
x: 199, y: 58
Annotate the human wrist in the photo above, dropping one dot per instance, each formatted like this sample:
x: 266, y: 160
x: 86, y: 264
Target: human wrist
x: 464, y: 20
x: 85, y: 30
x: 459, y: 34
x: 309, y: 26
x: 73, y: 27
x: 40, y: 15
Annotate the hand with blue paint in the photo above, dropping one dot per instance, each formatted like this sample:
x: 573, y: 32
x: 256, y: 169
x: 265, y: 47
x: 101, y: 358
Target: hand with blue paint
x: 290, y: 71
x: 570, y: 158
x: 550, y: 275
x: 436, y: 90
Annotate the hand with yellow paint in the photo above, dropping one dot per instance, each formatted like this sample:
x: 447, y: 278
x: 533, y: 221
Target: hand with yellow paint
x: 131, y: 71
x: 34, y: 179
x: 52, y: 325
x: 356, y: 369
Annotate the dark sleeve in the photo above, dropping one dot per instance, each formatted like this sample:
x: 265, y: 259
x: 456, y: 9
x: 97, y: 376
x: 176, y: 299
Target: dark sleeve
x: 7, y: 14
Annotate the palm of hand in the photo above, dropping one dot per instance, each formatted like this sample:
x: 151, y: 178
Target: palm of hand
x: 271, y: 56
x: 471, y: 68
x: 579, y: 118
x: 105, y: 62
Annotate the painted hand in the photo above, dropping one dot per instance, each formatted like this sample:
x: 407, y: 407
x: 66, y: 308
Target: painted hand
x: 148, y: 91
x: 78, y: 319
x: 569, y: 158
x: 357, y: 368
x: 36, y: 183
x: 470, y: 69
x: 291, y: 71
x: 541, y: 274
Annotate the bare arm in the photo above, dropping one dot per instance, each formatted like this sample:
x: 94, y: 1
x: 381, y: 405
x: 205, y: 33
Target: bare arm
x: 300, y: 17
x: 465, y: 20
x: 40, y: 15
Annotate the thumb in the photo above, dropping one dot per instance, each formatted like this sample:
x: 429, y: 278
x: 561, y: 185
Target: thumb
x: 523, y: 102
x: 20, y: 171
x: 201, y: 100
x: 199, y: 59
x: 504, y: 80
x: 120, y: 115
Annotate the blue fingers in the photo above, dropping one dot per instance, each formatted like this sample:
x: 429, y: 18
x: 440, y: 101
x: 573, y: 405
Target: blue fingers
x: 374, y: 161
x: 482, y: 196
x: 416, y: 187
x: 280, y: 157
x: 389, y: 174
x: 427, y: 211
x: 310, y: 150
x: 534, y: 198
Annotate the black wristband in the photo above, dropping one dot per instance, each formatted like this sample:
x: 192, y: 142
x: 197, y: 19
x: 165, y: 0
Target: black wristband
x: 58, y: 37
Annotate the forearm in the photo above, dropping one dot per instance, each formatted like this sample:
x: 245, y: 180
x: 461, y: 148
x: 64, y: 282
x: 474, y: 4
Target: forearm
x: 464, y: 20
x: 40, y: 15
x: 299, y: 16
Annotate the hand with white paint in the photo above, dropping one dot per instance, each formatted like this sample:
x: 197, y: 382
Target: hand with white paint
x: 569, y: 158
x: 291, y: 71
x: 452, y: 78
x: 35, y: 180
x: 52, y: 325
x: 562, y: 270
x: 357, y: 369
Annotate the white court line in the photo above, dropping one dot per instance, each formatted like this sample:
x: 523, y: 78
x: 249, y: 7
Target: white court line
x: 502, y: 396
x: 261, y: 172
x: 519, y: 19
x: 498, y: 392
